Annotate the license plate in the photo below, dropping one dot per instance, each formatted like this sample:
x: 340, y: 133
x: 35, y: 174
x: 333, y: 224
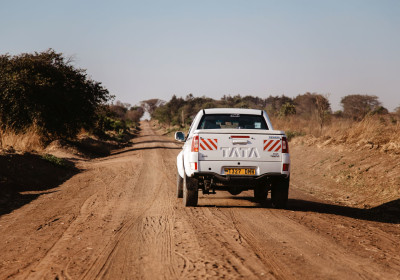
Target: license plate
x: 240, y: 171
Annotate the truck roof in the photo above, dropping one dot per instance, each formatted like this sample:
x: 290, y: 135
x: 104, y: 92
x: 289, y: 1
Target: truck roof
x: 233, y: 111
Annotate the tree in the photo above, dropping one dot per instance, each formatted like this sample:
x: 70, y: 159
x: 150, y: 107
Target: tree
x: 357, y: 106
x: 310, y: 105
x: 135, y: 114
x: 163, y: 115
x: 151, y: 105
x: 273, y: 104
x: 287, y: 109
x: 313, y: 106
x: 124, y: 111
x: 44, y: 90
x: 119, y: 110
x: 380, y: 110
x: 323, y: 109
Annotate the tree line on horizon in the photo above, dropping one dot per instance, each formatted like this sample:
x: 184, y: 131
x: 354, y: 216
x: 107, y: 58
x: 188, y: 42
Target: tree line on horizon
x: 309, y: 106
x: 45, y: 91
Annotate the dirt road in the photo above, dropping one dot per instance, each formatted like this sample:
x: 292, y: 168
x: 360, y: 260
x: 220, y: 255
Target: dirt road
x: 119, y: 219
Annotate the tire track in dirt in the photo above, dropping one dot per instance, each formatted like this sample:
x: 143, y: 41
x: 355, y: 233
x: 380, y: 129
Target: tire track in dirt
x: 147, y: 240
x: 290, y: 247
x: 130, y: 225
x: 103, y: 211
x: 208, y: 242
x: 110, y: 204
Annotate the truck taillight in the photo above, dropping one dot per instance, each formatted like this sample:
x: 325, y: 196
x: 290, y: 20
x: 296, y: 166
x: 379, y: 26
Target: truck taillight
x: 285, y: 146
x: 285, y: 167
x: 195, y: 143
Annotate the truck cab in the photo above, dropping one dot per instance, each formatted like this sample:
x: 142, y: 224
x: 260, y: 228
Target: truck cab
x: 234, y: 150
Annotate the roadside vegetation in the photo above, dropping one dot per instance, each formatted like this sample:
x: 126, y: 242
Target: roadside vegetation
x: 362, y: 123
x: 43, y: 98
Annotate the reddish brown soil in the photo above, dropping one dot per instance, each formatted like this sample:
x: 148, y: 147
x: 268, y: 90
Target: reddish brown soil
x: 118, y: 218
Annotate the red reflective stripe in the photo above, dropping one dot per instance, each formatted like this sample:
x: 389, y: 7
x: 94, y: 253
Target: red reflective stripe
x: 269, y: 143
x: 240, y: 136
x: 202, y: 147
x: 273, y: 146
x: 212, y: 143
x: 277, y: 149
x: 205, y: 143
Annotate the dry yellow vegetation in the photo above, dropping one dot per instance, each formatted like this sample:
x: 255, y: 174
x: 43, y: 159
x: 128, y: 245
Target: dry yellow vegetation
x: 373, y: 132
x: 27, y: 141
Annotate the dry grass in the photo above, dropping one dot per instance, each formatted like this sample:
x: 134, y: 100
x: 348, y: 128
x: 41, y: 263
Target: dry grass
x: 373, y: 132
x: 27, y: 141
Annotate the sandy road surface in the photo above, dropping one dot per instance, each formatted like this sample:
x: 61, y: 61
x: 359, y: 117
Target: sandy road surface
x: 119, y: 219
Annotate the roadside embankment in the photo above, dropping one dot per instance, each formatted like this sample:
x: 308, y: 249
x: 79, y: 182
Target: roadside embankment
x: 351, y: 176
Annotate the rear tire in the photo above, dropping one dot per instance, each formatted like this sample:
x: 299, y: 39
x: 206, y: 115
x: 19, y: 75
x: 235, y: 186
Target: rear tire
x: 260, y: 193
x: 280, y: 193
x: 190, y: 191
x: 179, y: 186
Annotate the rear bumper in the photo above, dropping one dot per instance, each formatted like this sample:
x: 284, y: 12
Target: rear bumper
x: 262, y: 168
x: 240, y: 180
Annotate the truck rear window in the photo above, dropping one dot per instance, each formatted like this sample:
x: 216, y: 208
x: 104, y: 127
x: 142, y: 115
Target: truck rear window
x: 224, y: 121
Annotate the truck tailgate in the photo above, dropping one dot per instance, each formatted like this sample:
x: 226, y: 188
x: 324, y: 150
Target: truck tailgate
x: 265, y: 146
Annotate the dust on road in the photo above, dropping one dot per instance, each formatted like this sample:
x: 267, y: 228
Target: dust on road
x: 119, y: 219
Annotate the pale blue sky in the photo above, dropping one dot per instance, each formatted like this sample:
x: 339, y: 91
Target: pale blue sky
x: 154, y: 49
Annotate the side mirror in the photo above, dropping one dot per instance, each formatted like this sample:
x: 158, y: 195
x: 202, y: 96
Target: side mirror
x: 180, y: 136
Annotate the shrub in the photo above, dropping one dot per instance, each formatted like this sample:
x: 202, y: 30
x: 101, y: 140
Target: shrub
x: 45, y: 91
x: 287, y: 109
x: 291, y: 134
x: 55, y: 160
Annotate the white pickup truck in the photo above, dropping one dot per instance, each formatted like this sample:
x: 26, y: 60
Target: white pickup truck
x: 233, y: 150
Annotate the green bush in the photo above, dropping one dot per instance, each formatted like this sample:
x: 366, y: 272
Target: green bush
x: 45, y: 91
x: 291, y: 134
x: 55, y: 160
x: 287, y: 109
